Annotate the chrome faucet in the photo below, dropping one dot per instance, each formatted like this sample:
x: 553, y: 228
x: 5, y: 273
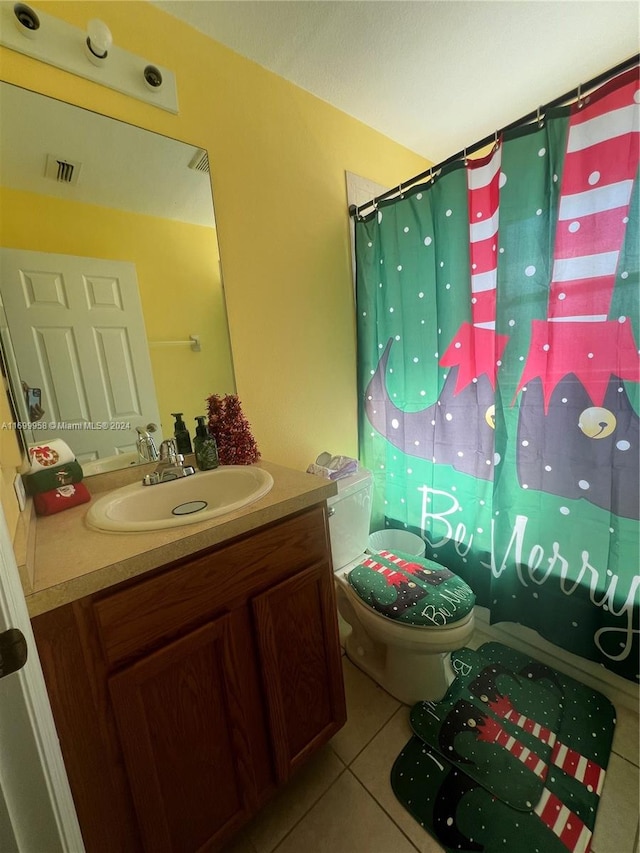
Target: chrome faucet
x: 146, y: 446
x: 170, y: 467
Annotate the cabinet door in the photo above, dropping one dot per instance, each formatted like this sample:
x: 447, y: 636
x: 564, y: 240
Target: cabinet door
x: 186, y: 738
x: 297, y: 635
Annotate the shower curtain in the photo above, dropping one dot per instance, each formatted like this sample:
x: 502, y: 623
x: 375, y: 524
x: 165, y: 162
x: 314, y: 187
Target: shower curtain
x: 497, y: 314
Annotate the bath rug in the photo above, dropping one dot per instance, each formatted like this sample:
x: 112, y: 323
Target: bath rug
x: 466, y: 812
x: 475, y: 728
x: 412, y: 590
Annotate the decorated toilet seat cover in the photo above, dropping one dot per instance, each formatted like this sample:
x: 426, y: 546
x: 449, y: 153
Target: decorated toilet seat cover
x: 412, y: 590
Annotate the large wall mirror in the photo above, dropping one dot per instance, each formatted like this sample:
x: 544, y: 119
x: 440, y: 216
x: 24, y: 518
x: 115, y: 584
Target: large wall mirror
x: 112, y: 310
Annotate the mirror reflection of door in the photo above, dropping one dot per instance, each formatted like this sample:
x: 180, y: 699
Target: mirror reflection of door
x: 82, y: 341
x: 133, y: 196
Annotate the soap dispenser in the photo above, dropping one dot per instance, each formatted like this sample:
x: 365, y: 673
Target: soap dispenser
x: 205, y: 447
x: 181, y: 433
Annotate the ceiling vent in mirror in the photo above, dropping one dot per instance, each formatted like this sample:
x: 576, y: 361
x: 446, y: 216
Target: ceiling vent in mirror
x: 200, y: 161
x: 61, y: 170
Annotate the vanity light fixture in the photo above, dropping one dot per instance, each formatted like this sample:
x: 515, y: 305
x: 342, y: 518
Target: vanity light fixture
x: 89, y: 54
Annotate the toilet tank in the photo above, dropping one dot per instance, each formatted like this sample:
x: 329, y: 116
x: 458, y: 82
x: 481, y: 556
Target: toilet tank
x: 350, y: 517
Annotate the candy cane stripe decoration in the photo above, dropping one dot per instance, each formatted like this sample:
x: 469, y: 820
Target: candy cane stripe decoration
x: 542, y: 733
x: 566, y: 825
x: 600, y: 166
x: 413, y: 568
x: 490, y: 731
x: 585, y: 771
x: 484, y: 216
x: 476, y: 347
x: 392, y: 577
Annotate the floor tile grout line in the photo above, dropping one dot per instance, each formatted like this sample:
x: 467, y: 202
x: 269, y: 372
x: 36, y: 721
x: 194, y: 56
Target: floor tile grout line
x: 312, y: 806
x: 388, y: 814
x: 377, y: 732
x: 374, y: 735
x: 381, y: 805
x: 625, y: 759
x: 382, y: 808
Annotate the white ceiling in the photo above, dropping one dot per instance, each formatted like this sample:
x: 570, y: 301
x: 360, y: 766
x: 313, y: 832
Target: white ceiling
x: 121, y: 166
x: 434, y: 75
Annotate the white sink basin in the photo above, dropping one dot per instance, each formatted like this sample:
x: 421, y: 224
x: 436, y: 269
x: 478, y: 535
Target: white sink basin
x: 189, y: 500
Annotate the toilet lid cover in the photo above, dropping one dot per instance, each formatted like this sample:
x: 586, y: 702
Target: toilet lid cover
x: 410, y: 589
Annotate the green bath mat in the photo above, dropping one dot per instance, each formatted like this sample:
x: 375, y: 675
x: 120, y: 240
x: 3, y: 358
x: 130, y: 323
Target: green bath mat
x: 475, y: 728
x: 475, y: 787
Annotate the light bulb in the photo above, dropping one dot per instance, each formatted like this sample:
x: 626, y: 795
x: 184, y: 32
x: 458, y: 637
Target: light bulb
x: 27, y: 20
x: 99, y: 40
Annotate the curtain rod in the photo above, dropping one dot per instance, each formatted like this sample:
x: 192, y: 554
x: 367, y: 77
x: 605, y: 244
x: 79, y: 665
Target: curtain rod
x: 354, y: 210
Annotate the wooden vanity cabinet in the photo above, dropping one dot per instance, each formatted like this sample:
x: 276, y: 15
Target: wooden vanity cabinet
x: 183, y: 698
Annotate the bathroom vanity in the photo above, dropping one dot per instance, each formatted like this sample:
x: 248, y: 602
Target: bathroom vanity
x: 190, y: 671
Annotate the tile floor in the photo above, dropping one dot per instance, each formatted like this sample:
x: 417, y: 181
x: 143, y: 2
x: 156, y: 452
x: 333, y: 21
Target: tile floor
x: 342, y: 802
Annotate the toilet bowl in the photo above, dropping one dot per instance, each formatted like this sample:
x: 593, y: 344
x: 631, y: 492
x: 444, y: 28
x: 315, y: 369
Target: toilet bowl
x: 410, y: 662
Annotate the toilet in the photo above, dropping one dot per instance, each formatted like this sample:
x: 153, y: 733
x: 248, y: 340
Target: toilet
x: 411, y: 662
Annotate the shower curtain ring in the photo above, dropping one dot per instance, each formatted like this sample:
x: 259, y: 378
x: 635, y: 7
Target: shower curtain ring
x: 580, y: 103
x: 464, y: 156
x: 400, y: 191
x: 540, y: 117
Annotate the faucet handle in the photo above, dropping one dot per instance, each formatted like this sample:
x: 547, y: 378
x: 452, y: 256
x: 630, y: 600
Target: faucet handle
x: 169, y: 451
x: 146, y: 446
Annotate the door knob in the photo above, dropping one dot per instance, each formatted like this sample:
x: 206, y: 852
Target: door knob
x: 13, y: 651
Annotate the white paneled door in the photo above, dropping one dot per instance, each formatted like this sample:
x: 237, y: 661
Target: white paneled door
x: 37, y: 814
x: 76, y: 331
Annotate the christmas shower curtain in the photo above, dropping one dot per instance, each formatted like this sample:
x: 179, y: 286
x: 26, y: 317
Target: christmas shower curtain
x: 497, y: 311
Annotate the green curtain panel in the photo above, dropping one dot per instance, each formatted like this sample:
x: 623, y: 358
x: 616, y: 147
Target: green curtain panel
x: 497, y: 310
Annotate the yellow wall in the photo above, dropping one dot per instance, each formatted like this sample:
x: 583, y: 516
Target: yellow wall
x: 178, y: 278
x: 278, y: 157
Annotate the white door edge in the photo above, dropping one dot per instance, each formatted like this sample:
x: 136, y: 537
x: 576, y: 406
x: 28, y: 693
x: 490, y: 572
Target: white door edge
x: 33, y: 781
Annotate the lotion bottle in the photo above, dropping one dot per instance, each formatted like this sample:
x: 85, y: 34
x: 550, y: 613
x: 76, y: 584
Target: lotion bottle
x: 181, y: 433
x: 205, y: 447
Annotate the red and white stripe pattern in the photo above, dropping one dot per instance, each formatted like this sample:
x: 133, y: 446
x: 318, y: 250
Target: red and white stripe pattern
x: 585, y: 771
x: 414, y: 568
x: 490, y: 731
x: 394, y: 578
x: 393, y: 558
x: 503, y: 707
x: 582, y: 769
x: 476, y: 349
x: 564, y: 823
x: 600, y: 165
x: 483, y: 182
x: 571, y: 831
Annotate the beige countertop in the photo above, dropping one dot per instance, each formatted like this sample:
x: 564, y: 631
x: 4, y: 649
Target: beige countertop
x: 70, y: 560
